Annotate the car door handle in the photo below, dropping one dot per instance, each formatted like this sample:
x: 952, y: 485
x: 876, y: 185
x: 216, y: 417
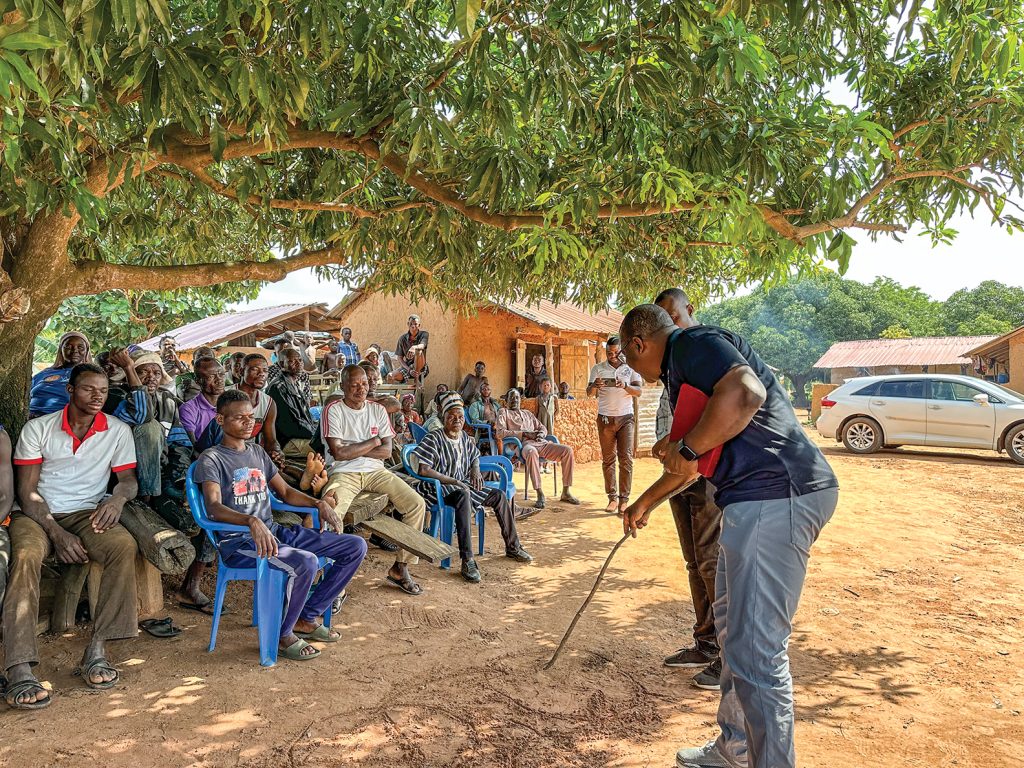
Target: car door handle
x: 935, y: 407
x: 878, y: 402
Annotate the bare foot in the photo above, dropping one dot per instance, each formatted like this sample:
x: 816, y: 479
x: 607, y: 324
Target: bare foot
x: 318, y: 483
x: 612, y: 507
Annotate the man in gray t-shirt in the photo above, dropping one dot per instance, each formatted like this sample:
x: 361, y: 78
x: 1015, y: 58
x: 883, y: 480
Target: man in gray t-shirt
x: 237, y: 477
x: 244, y: 477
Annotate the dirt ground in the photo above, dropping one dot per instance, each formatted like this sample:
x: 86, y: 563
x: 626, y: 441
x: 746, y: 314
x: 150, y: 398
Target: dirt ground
x: 907, y: 650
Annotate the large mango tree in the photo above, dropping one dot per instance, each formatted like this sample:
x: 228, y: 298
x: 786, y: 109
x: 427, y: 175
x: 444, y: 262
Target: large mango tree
x: 459, y: 148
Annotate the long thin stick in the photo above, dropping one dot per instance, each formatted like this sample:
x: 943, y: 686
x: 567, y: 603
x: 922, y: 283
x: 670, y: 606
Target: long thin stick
x: 600, y: 576
x: 586, y: 602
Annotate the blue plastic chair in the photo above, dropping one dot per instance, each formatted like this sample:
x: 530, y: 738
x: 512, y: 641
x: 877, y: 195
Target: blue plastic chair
x: 512, y: 448
x: 269, y: 583
x: 502, y: 466
x: 478, y: 427
x: 418, y: 432
x: 442, y: 516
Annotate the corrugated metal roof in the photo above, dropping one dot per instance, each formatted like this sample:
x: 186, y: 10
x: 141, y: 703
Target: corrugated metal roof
x: 565, y: 316
x: 871, y: 353
x: 227, y: 325
x: 998, y: 347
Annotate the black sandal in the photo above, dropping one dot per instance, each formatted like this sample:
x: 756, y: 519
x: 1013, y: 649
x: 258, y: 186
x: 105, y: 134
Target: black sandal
x: 14, y: 690
x: 98, y: 664
x: 160, y: 627
x: 407, y: 585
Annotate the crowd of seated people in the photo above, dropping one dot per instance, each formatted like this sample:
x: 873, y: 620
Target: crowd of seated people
x: 128, y: 427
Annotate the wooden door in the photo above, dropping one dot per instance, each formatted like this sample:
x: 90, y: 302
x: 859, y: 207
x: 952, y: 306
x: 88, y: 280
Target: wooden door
x: 574, y: 368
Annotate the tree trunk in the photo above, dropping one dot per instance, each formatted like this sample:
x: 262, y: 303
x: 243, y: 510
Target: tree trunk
x: 800, y: 398
x: 17, y: 341
x: 165, y: 547
x: 42, y: 274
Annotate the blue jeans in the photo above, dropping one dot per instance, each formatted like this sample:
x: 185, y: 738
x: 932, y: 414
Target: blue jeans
x: 765, y: 546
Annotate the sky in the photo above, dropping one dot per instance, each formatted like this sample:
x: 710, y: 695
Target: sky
x: 981, y: 251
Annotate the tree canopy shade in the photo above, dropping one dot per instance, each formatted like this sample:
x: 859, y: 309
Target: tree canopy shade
x: 455, y: 148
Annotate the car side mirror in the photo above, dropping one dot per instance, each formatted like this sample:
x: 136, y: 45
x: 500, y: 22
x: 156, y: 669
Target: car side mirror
x: 981, y: 399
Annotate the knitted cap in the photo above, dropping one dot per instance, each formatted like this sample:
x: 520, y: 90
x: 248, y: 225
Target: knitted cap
x: 447, y: 401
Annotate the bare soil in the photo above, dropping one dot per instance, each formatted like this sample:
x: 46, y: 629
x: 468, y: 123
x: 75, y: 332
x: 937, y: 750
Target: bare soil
x: 907, y: 650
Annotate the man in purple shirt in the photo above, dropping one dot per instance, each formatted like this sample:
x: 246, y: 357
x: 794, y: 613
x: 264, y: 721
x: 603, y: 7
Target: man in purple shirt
x: 199, y: 415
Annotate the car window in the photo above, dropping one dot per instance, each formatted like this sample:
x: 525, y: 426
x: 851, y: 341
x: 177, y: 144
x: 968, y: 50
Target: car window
x: 955, y: 391
x: 901, y: 388
x: 869, y: 390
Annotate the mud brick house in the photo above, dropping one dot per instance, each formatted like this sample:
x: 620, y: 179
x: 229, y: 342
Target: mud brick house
x: 505, y: 336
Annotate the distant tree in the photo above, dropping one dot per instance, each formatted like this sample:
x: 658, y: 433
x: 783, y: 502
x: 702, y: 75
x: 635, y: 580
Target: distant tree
x: 984, y: 325
x: 120, y: 318
x: 895, y: 332
x: 974, y: 308
x: 793, y: 324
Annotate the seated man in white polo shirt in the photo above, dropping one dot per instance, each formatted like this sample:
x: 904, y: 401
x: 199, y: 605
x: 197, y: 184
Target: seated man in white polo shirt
x: 63, y: 463
x: 359, y: 436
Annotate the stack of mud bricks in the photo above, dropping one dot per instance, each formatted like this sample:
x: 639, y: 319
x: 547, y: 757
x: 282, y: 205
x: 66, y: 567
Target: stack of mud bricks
x: 575, y: 426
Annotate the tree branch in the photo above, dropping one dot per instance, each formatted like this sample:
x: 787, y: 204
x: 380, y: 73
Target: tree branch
x: 850, y: 219
x: 256, y: 201
x: 96, y: 276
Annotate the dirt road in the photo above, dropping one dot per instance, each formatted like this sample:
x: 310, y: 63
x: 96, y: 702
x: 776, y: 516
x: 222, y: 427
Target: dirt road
x: 907, y: 650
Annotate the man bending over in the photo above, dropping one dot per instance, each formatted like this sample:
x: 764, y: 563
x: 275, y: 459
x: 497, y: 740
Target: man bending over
x: 236, y: 477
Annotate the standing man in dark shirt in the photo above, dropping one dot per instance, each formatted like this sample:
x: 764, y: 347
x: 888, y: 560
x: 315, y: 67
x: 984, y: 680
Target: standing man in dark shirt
x: 412, y: 353
x: 776, y: 492
x: 698, y: 525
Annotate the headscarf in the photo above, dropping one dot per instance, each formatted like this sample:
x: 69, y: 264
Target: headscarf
x: 145, y: 357
x: 59, y: 361
x: 447, y: 401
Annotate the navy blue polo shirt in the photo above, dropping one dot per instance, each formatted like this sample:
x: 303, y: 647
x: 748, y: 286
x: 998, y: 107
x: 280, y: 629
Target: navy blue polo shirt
x: 772, y: 458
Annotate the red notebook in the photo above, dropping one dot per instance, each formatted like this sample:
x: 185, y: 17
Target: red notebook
x: 689, y: 407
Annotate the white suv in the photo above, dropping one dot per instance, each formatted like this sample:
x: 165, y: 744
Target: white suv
x: 876, y: 412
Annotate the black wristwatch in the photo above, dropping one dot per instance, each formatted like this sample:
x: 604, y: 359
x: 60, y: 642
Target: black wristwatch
x: 686, y: 451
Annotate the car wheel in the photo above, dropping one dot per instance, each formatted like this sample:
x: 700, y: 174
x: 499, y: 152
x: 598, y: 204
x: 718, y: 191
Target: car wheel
x: 862, y: 435
x: 1015, y: 443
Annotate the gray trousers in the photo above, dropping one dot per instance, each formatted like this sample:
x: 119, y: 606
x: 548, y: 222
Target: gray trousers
x: 765, y: 546
x: 698, y: 524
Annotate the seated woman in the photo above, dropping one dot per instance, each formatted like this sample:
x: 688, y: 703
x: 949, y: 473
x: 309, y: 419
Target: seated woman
x: 373, y: 357
x: 409, y: 412
x: 49, y: 391
x: 485, y: 410
x: 451, y: 456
